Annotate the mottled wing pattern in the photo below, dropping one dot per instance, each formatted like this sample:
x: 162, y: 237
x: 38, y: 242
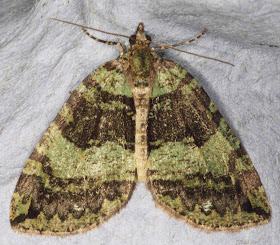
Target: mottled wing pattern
x: 198, y: 170
x: 82, y: 171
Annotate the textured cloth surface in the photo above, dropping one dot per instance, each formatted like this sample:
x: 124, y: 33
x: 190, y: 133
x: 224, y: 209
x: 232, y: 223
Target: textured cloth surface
x: 41, y: 60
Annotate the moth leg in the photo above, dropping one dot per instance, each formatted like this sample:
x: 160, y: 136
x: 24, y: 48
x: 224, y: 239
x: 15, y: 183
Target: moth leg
x: 183, y: 43
x: 103, y: 41
x: 121, y: 48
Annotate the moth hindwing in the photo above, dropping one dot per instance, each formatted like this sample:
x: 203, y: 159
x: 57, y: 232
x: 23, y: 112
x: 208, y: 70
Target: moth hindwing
x: 138, y: 118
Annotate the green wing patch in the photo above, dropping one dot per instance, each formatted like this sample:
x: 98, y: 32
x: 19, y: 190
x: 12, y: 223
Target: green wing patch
x: 198, y: 170
x: 82, y: 171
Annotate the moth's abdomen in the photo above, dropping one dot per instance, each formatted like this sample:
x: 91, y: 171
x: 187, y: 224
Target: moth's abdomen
x: 142, y: 104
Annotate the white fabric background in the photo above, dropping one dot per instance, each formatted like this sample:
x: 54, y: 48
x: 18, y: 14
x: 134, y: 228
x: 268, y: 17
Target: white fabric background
x: 41, y: 60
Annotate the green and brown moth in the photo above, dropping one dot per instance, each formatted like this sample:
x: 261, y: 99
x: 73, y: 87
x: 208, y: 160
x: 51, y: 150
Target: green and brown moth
x: 138, y: 118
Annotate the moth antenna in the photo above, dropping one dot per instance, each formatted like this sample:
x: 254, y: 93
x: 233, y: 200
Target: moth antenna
x: 206, y: 57
x: 172, y: 46
x: 163, y: 46
x: 90, y: 28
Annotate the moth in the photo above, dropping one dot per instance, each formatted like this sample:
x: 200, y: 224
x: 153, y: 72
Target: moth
x: 138, y: 118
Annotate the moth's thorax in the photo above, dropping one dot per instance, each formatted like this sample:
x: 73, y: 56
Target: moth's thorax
x: 140, y: 69
x: 142, y: 61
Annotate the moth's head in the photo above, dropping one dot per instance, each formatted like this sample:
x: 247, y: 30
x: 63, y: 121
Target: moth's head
x: 140, y: 38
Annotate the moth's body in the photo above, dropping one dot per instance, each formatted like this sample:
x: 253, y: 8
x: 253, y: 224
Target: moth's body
x: 141, y: 98
x: 138, y: 118
x: 141, y: 74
